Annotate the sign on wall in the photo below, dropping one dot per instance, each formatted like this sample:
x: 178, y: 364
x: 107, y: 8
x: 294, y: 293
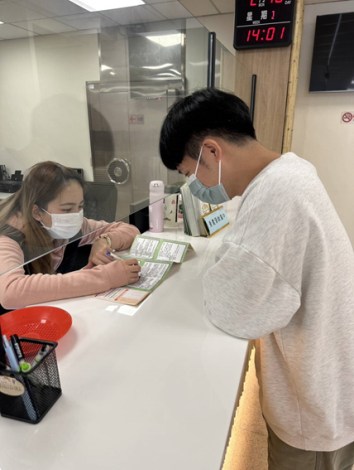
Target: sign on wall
x: 347, y: 117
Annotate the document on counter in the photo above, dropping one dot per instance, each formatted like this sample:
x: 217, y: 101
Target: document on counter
x: 156, y: 257
x: 124, y: 296
x: 158, y: 249
x: 151, y: 275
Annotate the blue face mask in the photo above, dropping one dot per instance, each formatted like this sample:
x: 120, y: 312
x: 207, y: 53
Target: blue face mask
x: 214, y: 195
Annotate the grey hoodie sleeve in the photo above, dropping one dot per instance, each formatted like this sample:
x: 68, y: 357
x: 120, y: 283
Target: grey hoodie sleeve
x: 246, y: 297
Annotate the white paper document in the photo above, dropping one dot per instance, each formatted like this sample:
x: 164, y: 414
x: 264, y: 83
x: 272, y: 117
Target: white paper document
x: 151, y: 274
x: 171, y: 252
x: 144, y: 248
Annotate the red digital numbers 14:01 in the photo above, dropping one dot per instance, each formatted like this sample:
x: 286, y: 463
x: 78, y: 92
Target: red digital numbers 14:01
x: 257, y: 35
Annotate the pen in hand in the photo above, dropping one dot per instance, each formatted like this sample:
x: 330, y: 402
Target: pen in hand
x: 112, y: 255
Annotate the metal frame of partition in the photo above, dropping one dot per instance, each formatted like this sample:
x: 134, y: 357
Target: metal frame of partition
x: 253, y: 96
x: 211, y: 60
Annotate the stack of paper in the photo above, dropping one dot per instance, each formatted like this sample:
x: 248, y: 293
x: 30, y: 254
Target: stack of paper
x: 193, y: 210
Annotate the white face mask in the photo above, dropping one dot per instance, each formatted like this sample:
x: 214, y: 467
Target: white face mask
x: 64, y: 226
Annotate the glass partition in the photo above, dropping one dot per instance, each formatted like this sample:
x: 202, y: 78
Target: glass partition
x: 88, y: 93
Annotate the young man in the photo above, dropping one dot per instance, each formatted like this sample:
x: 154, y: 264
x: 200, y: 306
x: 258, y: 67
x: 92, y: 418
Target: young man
x: 284, y: 276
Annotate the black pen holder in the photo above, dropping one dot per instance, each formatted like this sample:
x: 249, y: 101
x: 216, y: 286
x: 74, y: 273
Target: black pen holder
x: 28, y: 396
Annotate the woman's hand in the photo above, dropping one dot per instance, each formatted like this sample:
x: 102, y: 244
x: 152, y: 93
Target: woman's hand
x: 130, y: 266
x: 132, y: 270
x: 98, y: 254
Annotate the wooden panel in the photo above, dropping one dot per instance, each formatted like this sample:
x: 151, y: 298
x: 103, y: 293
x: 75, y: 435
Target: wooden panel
x: 310, y: 2
x: 272, y: 69
x: 227, y: 71
x: 293, y: 77
x: 243, y: 83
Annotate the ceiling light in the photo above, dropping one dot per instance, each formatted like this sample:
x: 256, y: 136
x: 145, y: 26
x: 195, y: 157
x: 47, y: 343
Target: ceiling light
x: 103, y: 67
x: 100, y: 5
x: 1, y: 22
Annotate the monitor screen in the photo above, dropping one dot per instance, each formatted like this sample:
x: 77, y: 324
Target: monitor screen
x: 333, y: 54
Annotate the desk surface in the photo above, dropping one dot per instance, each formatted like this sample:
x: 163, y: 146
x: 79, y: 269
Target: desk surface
x: 146, y: 388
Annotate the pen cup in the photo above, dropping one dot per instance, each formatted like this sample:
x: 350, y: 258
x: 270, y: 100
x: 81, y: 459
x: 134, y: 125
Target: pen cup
x: 28, y: 396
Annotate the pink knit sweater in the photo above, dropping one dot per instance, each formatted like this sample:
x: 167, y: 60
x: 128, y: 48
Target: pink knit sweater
x: 19, y: 290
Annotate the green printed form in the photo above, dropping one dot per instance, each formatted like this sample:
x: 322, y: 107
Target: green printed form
x: 155, y: 256
x: 158, y: 249
x: 151, y: 275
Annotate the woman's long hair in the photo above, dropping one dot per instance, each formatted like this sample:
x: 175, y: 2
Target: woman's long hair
x: 44, y: 182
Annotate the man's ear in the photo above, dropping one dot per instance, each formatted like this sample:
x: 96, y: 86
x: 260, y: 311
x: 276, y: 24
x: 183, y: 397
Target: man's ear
x: 213, y: 149
x: 36, y: 213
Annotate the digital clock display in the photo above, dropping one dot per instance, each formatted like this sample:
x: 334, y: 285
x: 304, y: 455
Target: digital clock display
x: 263, y: 23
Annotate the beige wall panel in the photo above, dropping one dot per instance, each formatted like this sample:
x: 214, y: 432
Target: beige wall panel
x: 243, y: 83
x: 293, y: 77
x: 310, y: 2
x: 272, y: 69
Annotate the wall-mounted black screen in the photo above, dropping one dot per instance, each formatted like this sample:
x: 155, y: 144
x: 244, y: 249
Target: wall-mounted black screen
x: 333, y: 54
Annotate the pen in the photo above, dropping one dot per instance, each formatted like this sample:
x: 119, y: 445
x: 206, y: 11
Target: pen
x: 2, y: 350
x: 24, y: 366
x: 10, y: 354
x: 112, y: 255
x: 43, y: 351
x: 14, y: 366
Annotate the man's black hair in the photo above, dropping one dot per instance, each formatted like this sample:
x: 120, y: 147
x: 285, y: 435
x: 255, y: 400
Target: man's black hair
x: 206, y: 113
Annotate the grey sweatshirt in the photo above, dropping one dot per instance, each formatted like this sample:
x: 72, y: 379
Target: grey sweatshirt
x: 284, y: 275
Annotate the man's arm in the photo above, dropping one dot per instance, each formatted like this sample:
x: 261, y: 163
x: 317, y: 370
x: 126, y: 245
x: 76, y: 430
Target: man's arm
x: 246, y: 297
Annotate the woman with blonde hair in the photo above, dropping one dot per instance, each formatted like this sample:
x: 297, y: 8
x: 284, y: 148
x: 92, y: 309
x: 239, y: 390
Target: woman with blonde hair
x: 36, y: 225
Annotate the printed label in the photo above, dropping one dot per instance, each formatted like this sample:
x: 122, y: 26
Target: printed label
x: 11, y: 386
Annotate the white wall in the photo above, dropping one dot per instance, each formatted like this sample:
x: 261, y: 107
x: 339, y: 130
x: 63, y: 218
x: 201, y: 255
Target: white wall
x: 223, y: 26
x: 43, y: 112
x: 318, y: 135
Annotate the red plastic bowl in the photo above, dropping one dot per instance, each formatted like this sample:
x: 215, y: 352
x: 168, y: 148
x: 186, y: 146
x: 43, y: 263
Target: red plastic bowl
x: 46, y: 323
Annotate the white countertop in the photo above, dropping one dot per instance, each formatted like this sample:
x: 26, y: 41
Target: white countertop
x: 5, y: 195
x: 146, y: 388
